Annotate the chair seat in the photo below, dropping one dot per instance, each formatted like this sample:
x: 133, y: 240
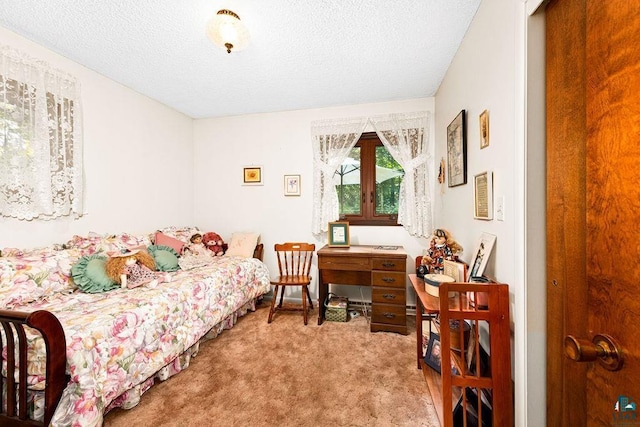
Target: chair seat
x: 292, y: 280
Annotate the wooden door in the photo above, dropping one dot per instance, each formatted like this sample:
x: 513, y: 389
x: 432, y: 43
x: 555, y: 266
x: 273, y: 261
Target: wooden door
x: 593, y: 206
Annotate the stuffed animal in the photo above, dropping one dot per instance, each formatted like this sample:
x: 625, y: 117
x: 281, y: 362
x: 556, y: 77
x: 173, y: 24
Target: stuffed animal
x: 214, y: 242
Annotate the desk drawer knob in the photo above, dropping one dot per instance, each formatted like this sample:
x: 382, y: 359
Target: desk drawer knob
x: 389, y: 264
x: 388, y: 279
x: 388, y: 296
x: 389, y: 315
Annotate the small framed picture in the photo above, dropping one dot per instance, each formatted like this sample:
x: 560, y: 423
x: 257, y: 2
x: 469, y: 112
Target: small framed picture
x: 457, y: 150
x: 454, y: 269
x: 433, y: 357
x: 252, y: 175
x: 292, y: 185
x: 481, y: 255
x: 484, y: 129
x: 483, y: 195
x: 339, y: 234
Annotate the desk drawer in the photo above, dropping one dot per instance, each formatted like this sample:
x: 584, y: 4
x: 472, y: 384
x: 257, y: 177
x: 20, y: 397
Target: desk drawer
x: 389, y: 264
x: 344, y: 263
x: 388, y: 279
x: 388, y: 296
x: 389, y: 314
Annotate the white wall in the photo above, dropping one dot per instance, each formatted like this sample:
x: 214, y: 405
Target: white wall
x: 534, y: 300
x: 500, y: 67
x: 281, y: 143
x: 482, y: 76
x: 137, y: 160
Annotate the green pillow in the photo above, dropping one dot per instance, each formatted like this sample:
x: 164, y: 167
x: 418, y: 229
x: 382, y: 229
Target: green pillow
x: 90, y: 275
x: 166, y: 257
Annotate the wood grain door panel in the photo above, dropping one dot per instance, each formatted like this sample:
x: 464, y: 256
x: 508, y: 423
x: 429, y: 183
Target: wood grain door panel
x: 593, y: 204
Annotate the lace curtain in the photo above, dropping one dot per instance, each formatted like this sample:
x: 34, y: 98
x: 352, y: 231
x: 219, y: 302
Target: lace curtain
x: 332, y: 140
x: 406, y: 137
x: 40, y: 139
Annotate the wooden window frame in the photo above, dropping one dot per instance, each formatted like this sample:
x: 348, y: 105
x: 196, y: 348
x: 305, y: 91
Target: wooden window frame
x: 368, y: 142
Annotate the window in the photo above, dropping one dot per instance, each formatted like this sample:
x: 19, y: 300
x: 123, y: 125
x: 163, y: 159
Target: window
x: 368, y: 184
x: 370, y: 199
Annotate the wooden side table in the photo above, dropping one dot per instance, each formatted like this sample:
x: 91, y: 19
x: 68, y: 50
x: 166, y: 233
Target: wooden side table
x: 427, y: 308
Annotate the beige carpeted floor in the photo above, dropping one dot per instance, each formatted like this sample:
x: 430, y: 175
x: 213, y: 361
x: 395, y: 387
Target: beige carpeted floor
x: 288, y: 374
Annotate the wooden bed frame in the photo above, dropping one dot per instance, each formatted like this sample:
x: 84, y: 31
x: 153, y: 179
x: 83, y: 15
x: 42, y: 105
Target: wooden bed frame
x: 49, y: 326
x: 16, y: 403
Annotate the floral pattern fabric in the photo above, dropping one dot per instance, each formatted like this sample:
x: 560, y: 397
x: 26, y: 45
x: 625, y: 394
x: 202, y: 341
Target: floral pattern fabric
x: 117, y: 341
x: 30, y: 275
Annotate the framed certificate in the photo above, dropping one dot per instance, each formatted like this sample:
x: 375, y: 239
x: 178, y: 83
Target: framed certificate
x: 483, y: 196
x: 339, y: 234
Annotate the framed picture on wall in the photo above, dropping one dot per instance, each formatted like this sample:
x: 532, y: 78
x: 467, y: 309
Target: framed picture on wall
x: 457, y: 150
x: 292, y: 185
x: 252, y: 175
x: 484, y: 129
x: 483, y: 196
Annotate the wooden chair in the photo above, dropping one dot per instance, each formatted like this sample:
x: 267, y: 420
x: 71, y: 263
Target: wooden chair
x: 294, y: 263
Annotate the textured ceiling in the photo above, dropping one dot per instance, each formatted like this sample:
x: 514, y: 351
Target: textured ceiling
x: 302, y: 53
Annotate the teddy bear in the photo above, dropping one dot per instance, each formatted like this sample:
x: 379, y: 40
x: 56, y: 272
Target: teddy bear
x: 214, y: 242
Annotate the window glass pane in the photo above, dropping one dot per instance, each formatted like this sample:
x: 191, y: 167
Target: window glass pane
x: 347, y: 181
x: 388, y: 177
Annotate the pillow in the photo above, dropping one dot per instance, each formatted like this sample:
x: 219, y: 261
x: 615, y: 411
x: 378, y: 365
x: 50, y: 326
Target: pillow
x: 90, y: 275
x: 242, y: 244
x: 162, y: 239
x: 166, y: 257
x: 181, y: 233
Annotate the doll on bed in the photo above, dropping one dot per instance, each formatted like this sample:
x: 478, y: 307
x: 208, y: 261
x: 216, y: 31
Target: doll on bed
x: 195, y: 254
x: 134, y: 268
x: 196, y: 247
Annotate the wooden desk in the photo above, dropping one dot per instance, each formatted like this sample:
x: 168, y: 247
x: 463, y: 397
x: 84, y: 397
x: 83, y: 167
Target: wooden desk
x: 382, y: 269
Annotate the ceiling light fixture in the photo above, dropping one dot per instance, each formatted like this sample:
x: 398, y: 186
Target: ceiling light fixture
x: 227, y: 31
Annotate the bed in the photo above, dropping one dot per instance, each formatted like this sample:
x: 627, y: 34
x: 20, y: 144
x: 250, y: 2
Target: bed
x: 89, y: 353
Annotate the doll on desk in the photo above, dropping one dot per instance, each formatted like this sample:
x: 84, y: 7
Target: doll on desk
x: 442, y: 247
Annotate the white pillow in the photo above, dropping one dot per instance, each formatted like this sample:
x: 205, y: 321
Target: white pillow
x: 242, y: 244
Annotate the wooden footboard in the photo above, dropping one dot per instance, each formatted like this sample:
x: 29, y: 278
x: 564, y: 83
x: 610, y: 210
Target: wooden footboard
x: 13, y: 323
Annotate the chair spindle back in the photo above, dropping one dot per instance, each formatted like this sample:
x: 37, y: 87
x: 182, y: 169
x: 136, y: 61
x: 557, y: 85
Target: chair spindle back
x: 294, y: 259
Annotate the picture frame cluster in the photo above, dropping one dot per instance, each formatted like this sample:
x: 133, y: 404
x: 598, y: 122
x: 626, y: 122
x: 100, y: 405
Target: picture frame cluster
x: 456, y: 165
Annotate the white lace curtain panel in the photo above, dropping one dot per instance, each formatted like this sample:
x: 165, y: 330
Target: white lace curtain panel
x: 332, y: 140
x: 40, y: 139
x: 406, y: 137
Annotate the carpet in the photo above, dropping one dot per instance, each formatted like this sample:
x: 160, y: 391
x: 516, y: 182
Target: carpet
x: 289, y: 374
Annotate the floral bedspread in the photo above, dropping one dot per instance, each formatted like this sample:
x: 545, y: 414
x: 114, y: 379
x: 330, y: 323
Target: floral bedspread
x: 118, y: 340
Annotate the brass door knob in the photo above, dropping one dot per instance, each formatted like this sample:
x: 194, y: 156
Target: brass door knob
x: 603, y: 348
